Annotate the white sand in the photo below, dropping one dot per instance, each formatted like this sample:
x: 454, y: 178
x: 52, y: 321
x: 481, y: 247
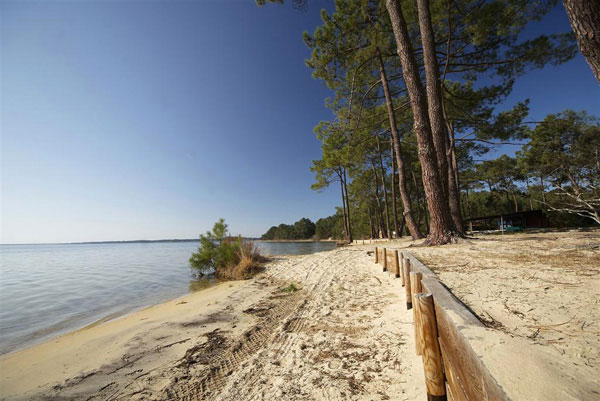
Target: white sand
x: 345, y: 334
x: 540, y: 295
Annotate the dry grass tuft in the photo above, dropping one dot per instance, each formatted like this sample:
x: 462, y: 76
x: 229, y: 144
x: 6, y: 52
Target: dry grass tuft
x: 250, y: 261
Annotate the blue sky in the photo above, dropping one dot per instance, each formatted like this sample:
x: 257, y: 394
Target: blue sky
x: 147, y: 120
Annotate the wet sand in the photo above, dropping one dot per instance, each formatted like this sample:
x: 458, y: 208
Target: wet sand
x: 344, y: 334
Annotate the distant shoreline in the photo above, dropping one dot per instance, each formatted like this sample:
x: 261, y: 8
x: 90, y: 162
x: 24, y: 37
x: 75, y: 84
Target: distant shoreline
x: 147, y: 241
x: 294, y: 240
x: 137, y: 241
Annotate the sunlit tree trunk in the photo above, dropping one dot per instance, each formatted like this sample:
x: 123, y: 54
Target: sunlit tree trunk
x: 347, y: 207
x: 344, y: 207
x: 433, y: 91
x: 440, y: 225
x: 393, y: 183
x: 453, y: 183
x: 384, y: 188
x: 379, y: 208
x: 410, y: 221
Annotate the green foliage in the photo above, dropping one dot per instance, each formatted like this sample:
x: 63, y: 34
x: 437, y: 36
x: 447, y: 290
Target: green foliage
x: 302, y: 229
x: 222, y: 255
x: 330, y: 227
x: 481, y: 52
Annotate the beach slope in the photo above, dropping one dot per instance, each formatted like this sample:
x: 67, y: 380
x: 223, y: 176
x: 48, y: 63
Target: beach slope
x: 343, y: 332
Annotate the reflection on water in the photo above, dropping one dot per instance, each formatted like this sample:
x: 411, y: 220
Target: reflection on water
x: 47, y: 290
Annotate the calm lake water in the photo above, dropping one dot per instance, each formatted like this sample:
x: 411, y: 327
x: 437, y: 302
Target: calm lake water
x: 47, y: 290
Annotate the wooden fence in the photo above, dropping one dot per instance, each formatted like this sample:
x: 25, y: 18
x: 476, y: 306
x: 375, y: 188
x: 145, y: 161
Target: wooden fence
x: 452, y: 369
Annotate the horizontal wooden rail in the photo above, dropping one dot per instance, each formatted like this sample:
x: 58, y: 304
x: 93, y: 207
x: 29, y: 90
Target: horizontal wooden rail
x: 466, y: 376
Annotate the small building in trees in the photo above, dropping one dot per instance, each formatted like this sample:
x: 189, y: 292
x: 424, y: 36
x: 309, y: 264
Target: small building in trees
x: 515, y: 221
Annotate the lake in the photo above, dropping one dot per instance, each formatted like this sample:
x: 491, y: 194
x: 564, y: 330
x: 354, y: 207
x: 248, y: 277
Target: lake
x: 48, y: 290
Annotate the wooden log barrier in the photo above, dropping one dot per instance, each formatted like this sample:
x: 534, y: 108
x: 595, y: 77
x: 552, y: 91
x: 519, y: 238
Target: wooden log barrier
x: 407, y: 283
x: 396, y: 264
x: 402, y: 268
x: 416, y: 288
x: 432, y: 357
x: 384, y: 259
x: 376, y: 255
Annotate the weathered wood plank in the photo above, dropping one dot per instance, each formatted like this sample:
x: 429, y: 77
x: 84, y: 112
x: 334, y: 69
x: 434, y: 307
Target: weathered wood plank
x: 432, y: 357
x: 415, y: 288
x: 451, y: 316
x: 385, y: 259
x: 455, y: 389
x: 407, y: 283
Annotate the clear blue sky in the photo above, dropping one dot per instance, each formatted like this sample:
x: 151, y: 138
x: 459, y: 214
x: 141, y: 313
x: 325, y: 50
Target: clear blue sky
x: 147, y: 120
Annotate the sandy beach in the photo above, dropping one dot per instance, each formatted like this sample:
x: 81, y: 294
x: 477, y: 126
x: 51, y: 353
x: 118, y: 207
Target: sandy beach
x: 344, y: 334
x: 539, y: 295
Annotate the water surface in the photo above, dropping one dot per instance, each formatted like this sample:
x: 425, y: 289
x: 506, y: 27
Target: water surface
x: 47, y: 290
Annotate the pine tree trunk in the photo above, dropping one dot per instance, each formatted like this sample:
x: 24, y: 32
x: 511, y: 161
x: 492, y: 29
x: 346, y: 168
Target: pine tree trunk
x: 584, y: 16
x: 347, y: 208
x: 469, y: 212
x: 434, y: 91
x: 370, y: 221
x: 410, y: 221
x: 379, y: 208
x: 385, y: 194
x: 419, y: 199
x: 393, y: 183
x: 344, y: 208
x: 453, y: 184
x: 402, y: 225
x: 440, y: 226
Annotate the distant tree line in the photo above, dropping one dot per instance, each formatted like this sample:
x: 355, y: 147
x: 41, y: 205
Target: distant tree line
x: 302, y: 229
x: 556, y: 170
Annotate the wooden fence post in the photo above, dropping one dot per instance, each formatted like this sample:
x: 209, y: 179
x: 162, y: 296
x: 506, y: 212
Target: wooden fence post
x: 402, y: 268
x: 415, y: 287
x: 384, y: 259
x: 432, y: 358
x: 407, y: 283
x: 397, y: 262
x: 376, y: 255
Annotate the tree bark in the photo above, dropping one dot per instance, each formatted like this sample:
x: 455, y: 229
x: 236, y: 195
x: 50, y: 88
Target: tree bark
x: 453, y: 184
x: 440, y: 225
x: 584, y: 16
x: 384, y: 188
x: 347, y: 208
x: 419, y: 199
x: 370, y: 221
x: 402, y: 225
x: 407, y: 212
x: 393, y: 183
x: 434, y: 91
x: 344, y: 207
x: 379, y: 208
x: 469, y: 212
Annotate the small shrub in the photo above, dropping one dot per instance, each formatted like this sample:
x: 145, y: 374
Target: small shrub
x: 225, y: 257
x: 290, y: 288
